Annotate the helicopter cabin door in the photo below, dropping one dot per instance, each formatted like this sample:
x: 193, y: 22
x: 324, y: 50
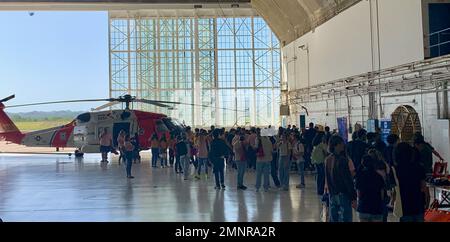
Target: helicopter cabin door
x: 117, y: 128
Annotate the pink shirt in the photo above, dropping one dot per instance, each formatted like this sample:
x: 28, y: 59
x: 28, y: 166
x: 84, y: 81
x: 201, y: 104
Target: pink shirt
x: 105, y: 139
x: 202, y: 147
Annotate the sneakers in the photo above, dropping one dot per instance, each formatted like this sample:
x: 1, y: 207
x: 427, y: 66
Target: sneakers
x: 217, y: 188
x: 197, y: 177
x: 130, y: 177
x: 266, y: 190
x: 242, y: 188
x: 300, y: 186
x: 223, y: 186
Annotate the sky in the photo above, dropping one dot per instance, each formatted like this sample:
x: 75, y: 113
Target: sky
x: 54, y: 56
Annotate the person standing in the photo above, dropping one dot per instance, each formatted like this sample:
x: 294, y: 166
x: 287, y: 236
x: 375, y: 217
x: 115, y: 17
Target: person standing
x: 163, y: 151
x: 274, y: 162
x: 105, y: 144
x: 309, y: 136
x: 357, y: 147
x: 182, y: 153
x: 202, y: 145
x: 339, y: 182
x: 240, y: 160
x: 154, y: 144
x: 426, y: 152
x: 414, y: 194
x: 319, y: 154
x: 172, y: 143
x: 137, y: 148
x: 251, y: 152
x: 263, y: 147
x: 284, y: 163
x: 179, y: 148
x: 128, y: 148
x: 121, y: 144
x: 217, y: 155
x: 392, y: 140
x: 298, y: 152
x: 370, y: 191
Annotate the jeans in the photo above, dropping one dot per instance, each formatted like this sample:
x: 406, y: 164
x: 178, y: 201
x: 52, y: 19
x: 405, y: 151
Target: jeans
x: 419, y: 218
x: 301, y: 171
x: 178, y: 167
x: 155, y: 154
x: 129, y: 162
x: 262, y: 168
x: 241, y: 166
x: 320, y: 178
x: 185, y: 162
x: 163, y: 157
x: 284, y: 166
x: 274, y: 170
x: 340, y: 208
x: 251, y: 155
x: 202, y: 162
x: 218, y: 169
x: 171, y: 157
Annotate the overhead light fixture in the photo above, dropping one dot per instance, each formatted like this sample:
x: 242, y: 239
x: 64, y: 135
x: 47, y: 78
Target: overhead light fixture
x: 198, y: 6
x: 234, y: 5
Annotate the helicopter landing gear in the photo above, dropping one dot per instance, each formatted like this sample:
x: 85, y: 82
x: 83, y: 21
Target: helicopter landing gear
x: 78, y: 153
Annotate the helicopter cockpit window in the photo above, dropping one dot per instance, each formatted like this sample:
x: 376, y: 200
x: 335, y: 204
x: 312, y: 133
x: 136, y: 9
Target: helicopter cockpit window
x: 161, y: 127
x: 84, y: 118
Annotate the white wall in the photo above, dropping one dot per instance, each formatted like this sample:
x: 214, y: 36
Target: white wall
x: 401, y: 32
x: 343, y: 47
x: 346, y: 46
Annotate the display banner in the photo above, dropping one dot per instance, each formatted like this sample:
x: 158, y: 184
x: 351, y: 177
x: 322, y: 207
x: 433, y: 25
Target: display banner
x: 343, y: 128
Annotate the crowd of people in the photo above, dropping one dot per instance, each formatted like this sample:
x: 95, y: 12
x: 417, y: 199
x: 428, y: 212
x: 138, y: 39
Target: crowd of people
x: 365, y: 174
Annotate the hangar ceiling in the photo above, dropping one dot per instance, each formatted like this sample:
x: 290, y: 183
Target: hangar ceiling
x: 290, y: 19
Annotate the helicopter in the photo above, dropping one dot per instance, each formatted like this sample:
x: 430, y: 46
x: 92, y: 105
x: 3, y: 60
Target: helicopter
x: 84, y: 131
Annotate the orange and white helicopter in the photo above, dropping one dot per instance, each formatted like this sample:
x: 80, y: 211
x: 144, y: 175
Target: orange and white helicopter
x: 84, y: 131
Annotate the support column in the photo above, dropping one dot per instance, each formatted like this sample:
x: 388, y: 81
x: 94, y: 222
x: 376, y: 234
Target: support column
x: 216, y: 76
x: 196, y: 110
x: 129, y: 56
x: 375, y: 105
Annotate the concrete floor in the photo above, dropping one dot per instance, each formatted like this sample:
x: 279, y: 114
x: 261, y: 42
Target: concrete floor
x: 59, y: 188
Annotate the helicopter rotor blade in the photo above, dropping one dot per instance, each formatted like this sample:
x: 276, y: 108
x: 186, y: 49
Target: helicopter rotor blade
x: 151, y: 102
x: 155, y: 101
x: 59, y: 102
x: 110, y: 104
x: 7, y: 98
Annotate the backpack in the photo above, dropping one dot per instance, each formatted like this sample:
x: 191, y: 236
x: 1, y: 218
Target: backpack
x: 318, y: 155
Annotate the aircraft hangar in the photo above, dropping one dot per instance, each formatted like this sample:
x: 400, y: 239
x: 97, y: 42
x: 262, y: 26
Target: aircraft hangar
x: 381, y: 66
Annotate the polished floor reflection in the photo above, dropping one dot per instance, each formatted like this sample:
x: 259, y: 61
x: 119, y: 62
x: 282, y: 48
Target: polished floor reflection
x: 59, y: 188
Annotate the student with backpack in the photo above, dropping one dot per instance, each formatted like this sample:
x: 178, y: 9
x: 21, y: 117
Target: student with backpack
x: 318, y: 156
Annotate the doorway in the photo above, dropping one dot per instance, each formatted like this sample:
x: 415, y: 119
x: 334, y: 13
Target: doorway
x: 117, y: 128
